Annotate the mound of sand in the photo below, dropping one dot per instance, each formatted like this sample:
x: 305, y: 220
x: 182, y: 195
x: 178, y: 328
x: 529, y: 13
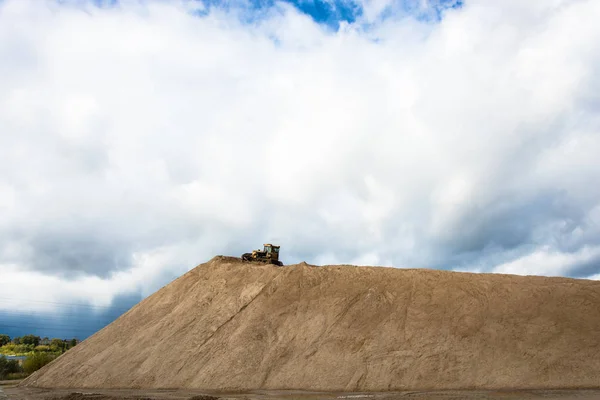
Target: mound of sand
x: 228, y: 325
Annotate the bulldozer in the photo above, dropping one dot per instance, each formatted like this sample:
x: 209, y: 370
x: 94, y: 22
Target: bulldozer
x: 269, y: 255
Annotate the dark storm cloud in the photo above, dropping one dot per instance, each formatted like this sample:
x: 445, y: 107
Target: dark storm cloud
x: 511, y: 221
x: 586, y: 268
x: 65, y: 322
x: 87, y: 252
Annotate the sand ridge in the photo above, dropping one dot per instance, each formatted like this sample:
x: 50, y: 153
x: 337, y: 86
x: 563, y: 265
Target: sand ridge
x: 232, y: 325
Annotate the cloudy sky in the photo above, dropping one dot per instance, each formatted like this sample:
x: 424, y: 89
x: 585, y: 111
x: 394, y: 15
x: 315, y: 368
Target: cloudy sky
x: 140, y: 138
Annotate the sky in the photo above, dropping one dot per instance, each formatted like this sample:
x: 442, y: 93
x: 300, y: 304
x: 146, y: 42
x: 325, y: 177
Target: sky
x: 140, y: 138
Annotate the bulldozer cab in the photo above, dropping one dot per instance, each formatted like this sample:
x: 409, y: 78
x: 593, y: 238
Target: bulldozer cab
x: 272, y: 251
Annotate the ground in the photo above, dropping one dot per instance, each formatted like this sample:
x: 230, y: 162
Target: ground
x: 16, y: 393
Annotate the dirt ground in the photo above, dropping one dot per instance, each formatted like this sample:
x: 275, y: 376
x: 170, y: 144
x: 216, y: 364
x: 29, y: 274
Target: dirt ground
x: 20, y: 393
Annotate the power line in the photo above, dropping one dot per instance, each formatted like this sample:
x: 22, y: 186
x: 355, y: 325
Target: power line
x: 66, y: 326
x: 63, y: 304
x: 55, y: 316
x: 44, y: 317
x: 41, y: 326
x: 49, y: 329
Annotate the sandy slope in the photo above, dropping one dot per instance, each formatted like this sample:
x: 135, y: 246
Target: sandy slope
x: 230, y: 325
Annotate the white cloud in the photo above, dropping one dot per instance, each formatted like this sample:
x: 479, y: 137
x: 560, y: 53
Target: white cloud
x: 549, y: 262
x: 128, y: 130
x: 26, y: 290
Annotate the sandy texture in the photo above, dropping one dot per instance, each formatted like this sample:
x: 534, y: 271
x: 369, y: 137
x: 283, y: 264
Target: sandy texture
x: 228, y: 325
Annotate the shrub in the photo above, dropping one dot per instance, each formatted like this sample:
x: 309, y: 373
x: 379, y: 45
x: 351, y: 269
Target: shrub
x: 8, y: 367
x: 3, y: 362
x: 36, y: 361
x: 10, y: 349
x: 16, y: 376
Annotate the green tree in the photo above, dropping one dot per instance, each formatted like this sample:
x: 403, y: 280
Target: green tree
x: 4, y: 339
x: 8, y: 367
x: 57, y: 345
x: 3, y: 363
x: 36, y: 361
x: 73, y: 342
x: 31, y: 339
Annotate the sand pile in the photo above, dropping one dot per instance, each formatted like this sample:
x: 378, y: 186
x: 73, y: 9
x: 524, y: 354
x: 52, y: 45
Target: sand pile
x: 228, y: 325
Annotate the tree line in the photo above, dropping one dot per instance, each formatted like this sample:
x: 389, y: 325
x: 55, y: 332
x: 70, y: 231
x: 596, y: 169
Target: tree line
x: 38, y: 352
x: 31, y: 343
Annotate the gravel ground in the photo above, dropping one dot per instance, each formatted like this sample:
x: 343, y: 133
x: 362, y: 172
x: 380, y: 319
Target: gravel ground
x: 18, y: 393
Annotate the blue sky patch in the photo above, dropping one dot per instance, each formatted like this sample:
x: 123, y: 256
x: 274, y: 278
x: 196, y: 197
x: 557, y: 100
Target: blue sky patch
x: 328, y: 13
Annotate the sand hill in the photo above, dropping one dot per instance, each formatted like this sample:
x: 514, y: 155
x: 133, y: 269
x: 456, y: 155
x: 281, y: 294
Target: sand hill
x: 231, y: 325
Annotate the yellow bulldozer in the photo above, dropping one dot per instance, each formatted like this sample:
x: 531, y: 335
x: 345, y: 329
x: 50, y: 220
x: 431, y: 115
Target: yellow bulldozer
x: 269, y: 255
